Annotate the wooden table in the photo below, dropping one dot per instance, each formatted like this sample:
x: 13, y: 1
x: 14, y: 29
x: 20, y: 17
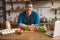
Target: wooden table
x: 30, y: 35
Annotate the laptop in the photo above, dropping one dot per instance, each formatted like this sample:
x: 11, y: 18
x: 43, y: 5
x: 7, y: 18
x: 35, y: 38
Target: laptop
x: 56, y: 31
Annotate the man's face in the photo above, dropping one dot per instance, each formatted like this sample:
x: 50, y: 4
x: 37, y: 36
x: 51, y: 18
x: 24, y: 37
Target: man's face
x: 29, y: 7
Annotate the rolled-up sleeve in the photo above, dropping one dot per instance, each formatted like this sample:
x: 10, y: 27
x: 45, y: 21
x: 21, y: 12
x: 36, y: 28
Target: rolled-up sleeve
x: 19, y: 19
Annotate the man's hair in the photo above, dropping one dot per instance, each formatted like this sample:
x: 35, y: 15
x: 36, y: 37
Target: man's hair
x: 29, y: 2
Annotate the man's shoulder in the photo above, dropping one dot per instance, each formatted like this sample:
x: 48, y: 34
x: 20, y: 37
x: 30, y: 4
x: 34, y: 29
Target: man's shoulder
x: 34, y: 12
x: 22, y: 13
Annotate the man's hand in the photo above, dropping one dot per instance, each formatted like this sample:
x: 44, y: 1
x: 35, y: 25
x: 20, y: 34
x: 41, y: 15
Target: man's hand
x: 24, y: 25
x: 29, y: 26
x: 36, y: 28
x: 32, y: 25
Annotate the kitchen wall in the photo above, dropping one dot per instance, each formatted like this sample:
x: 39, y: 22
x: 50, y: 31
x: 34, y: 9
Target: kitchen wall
x: 43, y: 8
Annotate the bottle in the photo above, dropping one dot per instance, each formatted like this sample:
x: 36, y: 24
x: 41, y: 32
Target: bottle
x: 8, y: 26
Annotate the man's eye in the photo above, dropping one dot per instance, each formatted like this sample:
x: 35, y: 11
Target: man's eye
x: 29, y: 7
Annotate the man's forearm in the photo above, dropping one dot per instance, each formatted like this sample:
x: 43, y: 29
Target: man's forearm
x: 24, y: 25
x: 29, y: 26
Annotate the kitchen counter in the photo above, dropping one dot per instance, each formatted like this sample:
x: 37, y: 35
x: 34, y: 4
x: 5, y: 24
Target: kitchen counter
x: 27, y: 35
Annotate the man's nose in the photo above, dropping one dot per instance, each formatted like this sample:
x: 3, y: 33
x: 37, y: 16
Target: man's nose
x: 29, y: 8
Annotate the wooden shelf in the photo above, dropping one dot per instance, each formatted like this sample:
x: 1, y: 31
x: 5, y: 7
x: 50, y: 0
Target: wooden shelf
x: 45, y: 23
x: 14, y: 10
x: 16, y: 1
x: 58, y: 8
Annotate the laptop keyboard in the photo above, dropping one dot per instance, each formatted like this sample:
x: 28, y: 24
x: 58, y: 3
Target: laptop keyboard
x: 50, y: 33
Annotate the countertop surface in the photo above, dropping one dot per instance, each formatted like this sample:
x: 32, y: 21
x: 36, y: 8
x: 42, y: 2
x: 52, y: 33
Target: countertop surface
x: 27, y: 35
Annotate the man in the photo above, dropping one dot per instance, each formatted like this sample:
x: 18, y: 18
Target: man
x: 28, y: 18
